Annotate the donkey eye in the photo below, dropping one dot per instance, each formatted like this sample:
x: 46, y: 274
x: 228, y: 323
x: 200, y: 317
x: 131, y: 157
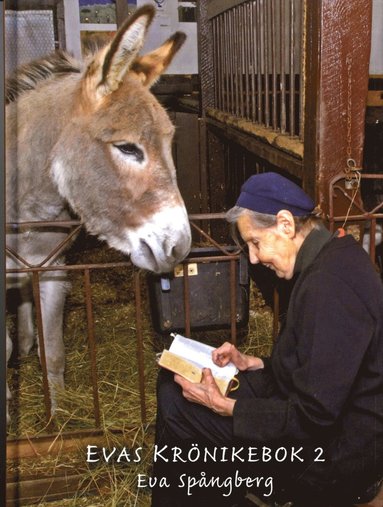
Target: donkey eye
x: 132, y: 150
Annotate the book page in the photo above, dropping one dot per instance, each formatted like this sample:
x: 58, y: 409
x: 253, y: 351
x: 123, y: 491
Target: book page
x: 200, y: 354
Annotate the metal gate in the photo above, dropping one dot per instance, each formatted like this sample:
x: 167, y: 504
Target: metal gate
x: 284, y: 86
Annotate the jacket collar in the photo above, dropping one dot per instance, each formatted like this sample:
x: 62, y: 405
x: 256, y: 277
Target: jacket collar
x: 311, y: 246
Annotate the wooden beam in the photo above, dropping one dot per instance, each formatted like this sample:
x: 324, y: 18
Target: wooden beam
x: 49, y: 489
x: 375, y: 98
x: 265, y: 151
x: 338, y: 38
x: 54, y: 445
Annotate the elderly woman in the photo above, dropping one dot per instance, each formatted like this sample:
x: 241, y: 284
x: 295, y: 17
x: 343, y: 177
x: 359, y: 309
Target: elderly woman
x: 315, y: 407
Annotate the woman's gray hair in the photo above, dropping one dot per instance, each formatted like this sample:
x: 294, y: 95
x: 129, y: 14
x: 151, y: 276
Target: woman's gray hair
x: 263, y: 220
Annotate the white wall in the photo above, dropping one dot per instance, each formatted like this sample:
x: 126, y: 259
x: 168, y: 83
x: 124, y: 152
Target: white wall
x: 72, y: 27
x: 165, y: 24
x: 376, y: 60
x: 186, y: 61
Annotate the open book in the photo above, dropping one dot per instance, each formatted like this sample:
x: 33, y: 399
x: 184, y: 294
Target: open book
x: 188, y: 357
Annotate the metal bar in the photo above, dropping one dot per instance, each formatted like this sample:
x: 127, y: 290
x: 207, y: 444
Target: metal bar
x: 253, y: 59
x: 233, y: 302
x: 283, y: 69
x: 206, y: 216
x: 292, y: 70
x: 213, y: 258
x: 375, y: 210
x: 247, y: 48
x: 273, y: 64
x: 205, y: 235
x: 372, y: 240
x: 364, y: 216
x: 56, y: 251
x: 225, y: 63
x: 237, y: 62
x: 369, y: 176
x: 259, y: 60
x: 43, y: 359
x: 331, y: 196
x: 241, y: 63
x: 92, y: 346
x: 219, y: 69
x: 59, y: 248
x: 302, y: 70
x: 226, y: 47
x: 17, y: 257
x: 66, y: 224
x: 65, y: 267
x: 349, y: 198
x: 187, y: 298
x: 140, y: 345
x: 222, y: 63
x: 265, y: 21
x: 231, y: 53
x: 215, y: 62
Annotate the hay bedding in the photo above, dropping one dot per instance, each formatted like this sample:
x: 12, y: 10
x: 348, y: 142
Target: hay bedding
x: 114, y: 319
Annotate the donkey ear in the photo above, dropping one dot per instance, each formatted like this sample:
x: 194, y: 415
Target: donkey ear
x: 110, y: 65
x: 150, y: 66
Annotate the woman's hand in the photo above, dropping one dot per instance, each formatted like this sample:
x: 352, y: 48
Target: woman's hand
x: 229, y: 352
x: 206, y: 393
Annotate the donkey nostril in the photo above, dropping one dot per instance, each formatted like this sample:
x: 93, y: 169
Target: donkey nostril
x: 179, y: 252
x: 148, y: 252
x: 174, y: 251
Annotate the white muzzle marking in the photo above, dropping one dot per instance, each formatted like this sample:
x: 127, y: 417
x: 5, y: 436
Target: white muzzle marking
x: 159, y: 244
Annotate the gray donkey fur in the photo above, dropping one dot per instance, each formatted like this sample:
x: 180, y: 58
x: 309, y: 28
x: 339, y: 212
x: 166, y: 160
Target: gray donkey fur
x: 90, y: 138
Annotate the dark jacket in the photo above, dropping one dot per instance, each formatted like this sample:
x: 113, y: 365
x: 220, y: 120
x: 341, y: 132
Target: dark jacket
x: 325, y: 376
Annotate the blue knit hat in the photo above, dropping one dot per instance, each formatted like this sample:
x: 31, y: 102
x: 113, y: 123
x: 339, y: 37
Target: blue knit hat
x: 270, y: 193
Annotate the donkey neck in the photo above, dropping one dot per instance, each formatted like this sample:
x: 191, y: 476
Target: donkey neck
x: 34, y: 125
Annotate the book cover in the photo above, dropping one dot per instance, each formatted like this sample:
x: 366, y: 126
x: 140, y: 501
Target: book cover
x: 188, y: 357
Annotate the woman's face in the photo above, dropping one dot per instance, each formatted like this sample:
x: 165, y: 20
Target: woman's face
x: 275, y: 247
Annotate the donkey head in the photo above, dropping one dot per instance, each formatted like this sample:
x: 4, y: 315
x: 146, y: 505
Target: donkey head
x: 113, y: 160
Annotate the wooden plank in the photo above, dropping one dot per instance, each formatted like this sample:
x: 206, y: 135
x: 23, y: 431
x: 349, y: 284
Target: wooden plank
x: 167, y: 87
x: 375, y: 98
x: 292, y: 145
x: 48, y: 489
x: 54, y: 444
x: 338, y: 39
x: 311, y: 72
x: 265, y: 151
x: 29, y: 488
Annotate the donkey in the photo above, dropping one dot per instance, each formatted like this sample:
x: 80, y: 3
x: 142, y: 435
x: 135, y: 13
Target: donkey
x: 90, y: 139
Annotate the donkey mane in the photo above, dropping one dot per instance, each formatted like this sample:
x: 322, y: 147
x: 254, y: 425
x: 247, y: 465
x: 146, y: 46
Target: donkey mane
x: 28, y: 76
